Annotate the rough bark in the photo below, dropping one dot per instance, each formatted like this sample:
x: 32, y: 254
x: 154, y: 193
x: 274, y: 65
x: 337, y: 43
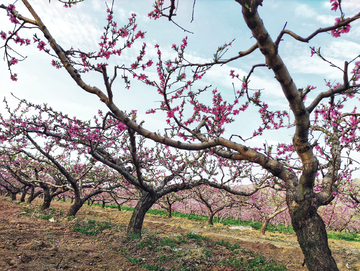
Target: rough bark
x: 78, y: 203
x: 144, y: 204
x: 13, y: 195
x: 311, y: 233
x: 33, y: 196
x: 264, y: 226
x: 301, y: 200
x: 211, y: 218
x: 47, y: 197
x: 169, y: 211
x: 23, y: 194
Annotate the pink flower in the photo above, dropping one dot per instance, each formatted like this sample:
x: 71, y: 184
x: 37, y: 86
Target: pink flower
x: 14, y: 77
x: 41, y: 45
x: 170, y: 114
x: 13, y: 61
x: 334, y: 5
x: 3, y: 35
x: 341, y: 30
x: 140, y: 34
x: 312, y: 50
x: 149, y: 63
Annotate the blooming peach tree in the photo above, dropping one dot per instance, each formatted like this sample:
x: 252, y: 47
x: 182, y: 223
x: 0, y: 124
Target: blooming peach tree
x: 103, y: 155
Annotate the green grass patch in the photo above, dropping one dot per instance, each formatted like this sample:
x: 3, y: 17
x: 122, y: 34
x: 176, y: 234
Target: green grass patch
x: 238, y: 222
x: 259, y: 263
x: 195, y: 236
x: 166, y: 241
x: 152, y: 267
x: 344, y: 236
x: 46, y: 217
x: 91, y: 227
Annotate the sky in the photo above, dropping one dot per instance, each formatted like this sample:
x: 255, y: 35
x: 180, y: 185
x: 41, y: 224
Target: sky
x: 215, y: 23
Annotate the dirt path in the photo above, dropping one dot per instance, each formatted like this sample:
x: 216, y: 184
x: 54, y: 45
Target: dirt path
x: 30, y: 243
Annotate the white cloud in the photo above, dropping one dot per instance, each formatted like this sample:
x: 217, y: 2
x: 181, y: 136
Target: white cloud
x: 343, y: 49
x: 351, y: 5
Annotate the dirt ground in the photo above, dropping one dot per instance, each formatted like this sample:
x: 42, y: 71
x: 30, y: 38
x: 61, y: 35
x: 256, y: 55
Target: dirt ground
x: 28, y: 242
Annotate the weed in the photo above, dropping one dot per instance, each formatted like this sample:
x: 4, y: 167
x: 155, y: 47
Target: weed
x: 195, y: 236
x: 134, y: 236
x: 208, y: 253
x: 181, y: 239
x: 146, y: 243
x: 91, y: 227
x: 27, y: 210
x: 223, y: 243
x: 166, y: 241
x: 134, y: 260
x: 163, y: 258
x: 152, y: 267
x: 46, y: 217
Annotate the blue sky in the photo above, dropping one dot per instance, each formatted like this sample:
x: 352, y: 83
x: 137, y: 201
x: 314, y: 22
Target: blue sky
x: 215, y: 23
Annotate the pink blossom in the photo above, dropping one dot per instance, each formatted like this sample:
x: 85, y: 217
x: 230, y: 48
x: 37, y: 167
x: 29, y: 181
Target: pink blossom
x: 334, y: 5
x: 41, y: 45
x: 170, y: 114
x: 14, y: 77
x: 3, y: 35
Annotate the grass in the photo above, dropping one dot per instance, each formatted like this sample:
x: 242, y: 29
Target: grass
x: 195, y: 236
x: 258, y: 263
x: 238, y: 222
x: 91, y: 227
x: 192, y: 252
x: 228, y: 222
x: 344, y: 236
x: 46, y: 217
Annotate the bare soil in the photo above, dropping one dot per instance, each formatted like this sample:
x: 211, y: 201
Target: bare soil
x: 28, y: 242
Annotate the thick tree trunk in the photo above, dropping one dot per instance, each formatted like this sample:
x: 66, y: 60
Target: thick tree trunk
x: 33, y: 196
x: 144, y: 204
x: 78, y: 203
x: 47, y: 197
x: 13, y: 196
x: 211, y: 218
x: 23, y: 194
x: 264, y: 226
x: 312, y: 237
x: 46, y: 202
x: 169, y: 211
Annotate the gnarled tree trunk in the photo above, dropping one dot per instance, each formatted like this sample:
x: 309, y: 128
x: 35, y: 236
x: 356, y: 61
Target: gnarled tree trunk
x: 144, y: 204
x: 78, y: 203
x: 33, y: 196
x: 312, y: 237
x: 47, y: 197
x: 211, y: 218
x: 264, y: 226
x: 23, y: 194
x: 13, y: 195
